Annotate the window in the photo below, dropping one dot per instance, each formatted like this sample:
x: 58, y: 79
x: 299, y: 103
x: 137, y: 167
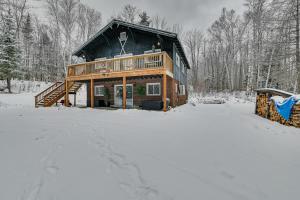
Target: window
x: 177, y: 60
x: 99, y: 90
x: 182, y: 68
x: 176, y: 88
x: 153, y: 89
x: 182, y: 90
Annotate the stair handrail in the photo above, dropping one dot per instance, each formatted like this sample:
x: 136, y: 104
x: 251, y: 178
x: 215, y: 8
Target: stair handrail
x: 60, y: 86
x: 39, y: 97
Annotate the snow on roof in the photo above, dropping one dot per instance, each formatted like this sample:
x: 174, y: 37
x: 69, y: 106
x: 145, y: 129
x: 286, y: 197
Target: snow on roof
x: 275, y: 91
x: 278, y: 99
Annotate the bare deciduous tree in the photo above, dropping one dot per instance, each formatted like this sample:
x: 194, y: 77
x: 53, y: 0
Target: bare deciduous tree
x: 67, y: 19
x: 193, y: 42
x: 129, y: 13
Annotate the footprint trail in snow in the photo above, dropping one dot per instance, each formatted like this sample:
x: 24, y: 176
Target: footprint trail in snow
x: 128, y: 173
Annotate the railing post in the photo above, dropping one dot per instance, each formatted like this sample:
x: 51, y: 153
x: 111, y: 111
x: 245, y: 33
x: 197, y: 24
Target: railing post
x: 124, y: 92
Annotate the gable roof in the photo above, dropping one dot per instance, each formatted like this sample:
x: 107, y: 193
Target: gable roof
x: 168, y: 34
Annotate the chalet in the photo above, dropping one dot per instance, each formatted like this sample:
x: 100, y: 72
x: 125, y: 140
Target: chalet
x: 128, y: 66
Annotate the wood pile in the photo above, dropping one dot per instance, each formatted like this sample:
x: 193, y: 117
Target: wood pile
x: 265, y: 107
x: 275, y: 116
x: 262, y: 105
x: 295, y: 118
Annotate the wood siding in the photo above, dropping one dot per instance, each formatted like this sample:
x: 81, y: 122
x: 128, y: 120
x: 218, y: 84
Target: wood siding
x: 175, y: 99
x: 137, y: 99
x: 108, y: 44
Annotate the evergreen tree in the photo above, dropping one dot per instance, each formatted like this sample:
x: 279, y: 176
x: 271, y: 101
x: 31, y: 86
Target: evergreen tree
x: 9, y: 52
x: 27, y: 41
x: 144, y: 19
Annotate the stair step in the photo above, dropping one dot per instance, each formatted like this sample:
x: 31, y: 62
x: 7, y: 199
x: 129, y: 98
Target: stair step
x: 57, y: 94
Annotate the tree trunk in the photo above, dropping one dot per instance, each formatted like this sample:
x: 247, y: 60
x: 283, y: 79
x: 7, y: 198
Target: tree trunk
x: 8, y: 83
x: 269, y: 69
x: 297, y: 48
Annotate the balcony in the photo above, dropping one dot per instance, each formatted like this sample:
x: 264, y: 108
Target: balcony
x: 138, y: 65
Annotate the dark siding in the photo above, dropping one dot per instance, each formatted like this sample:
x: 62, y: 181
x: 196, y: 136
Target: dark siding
x: 180, y: 71
x: 175, y: 99
x: 108, y: 45
x: 137, y: 100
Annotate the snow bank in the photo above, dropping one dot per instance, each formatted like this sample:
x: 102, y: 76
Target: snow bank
x: 23, y: 93
x: 16, y: 100
x: 220, y: 98
x: 19, y: 86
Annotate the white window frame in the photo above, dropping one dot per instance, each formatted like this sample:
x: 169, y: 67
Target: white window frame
x: 148, y: 84
x: 183, y: 68
x: 177, y: 60
x: 181, y: 90
x: 95, y: 90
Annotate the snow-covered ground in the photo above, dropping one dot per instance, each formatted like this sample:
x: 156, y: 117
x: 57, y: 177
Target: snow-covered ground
x: 197, y: 152
x: 23, y: 93
x: 19, y: 86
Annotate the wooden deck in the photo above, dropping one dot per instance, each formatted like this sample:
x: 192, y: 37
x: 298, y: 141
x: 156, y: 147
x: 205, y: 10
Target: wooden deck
x: 140, y: 65
x: 131, y: 66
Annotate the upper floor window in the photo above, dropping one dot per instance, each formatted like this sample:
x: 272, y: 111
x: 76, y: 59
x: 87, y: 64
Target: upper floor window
x: 181, y: 89
x: 99, y: 90
x: 182, y: 67
x: 153, y: 89
x: 177, y: 60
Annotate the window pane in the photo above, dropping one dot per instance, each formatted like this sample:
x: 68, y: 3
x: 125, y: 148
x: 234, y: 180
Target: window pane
x: 182, y: 89
x: 101, y: 91
x: 97, y: 91
x: 129, y: 92
x: 156, y: 89
x: 150, y: 89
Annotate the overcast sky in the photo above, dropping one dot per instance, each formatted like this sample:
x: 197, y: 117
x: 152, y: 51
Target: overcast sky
x: 190, y: 13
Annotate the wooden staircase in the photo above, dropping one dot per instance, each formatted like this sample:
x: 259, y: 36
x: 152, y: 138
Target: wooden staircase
x: 54, y: 93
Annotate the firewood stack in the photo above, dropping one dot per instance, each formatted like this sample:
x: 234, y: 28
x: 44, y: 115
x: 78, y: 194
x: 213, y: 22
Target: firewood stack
x: 275, y: 116
x: 262, y: 105
x: 295, y: 118
x: 266, y: 108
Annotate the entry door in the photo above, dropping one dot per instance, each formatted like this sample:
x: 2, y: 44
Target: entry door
x: 118, y: 95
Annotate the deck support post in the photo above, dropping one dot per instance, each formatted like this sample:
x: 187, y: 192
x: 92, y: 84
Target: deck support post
x: 173, y: 93
x: 124, y: 92
x: 66, y: 100
x: 165, y: 91
x: 92, y: 93
x: 75, y: 99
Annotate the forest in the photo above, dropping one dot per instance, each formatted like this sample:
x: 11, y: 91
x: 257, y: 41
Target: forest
x: 257, y: 49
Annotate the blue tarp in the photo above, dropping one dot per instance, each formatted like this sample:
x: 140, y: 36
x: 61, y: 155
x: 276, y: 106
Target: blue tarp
x: 285, y: 108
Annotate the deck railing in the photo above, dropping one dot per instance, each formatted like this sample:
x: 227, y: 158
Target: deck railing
x: 39, y: 97
x: 130, y: 63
